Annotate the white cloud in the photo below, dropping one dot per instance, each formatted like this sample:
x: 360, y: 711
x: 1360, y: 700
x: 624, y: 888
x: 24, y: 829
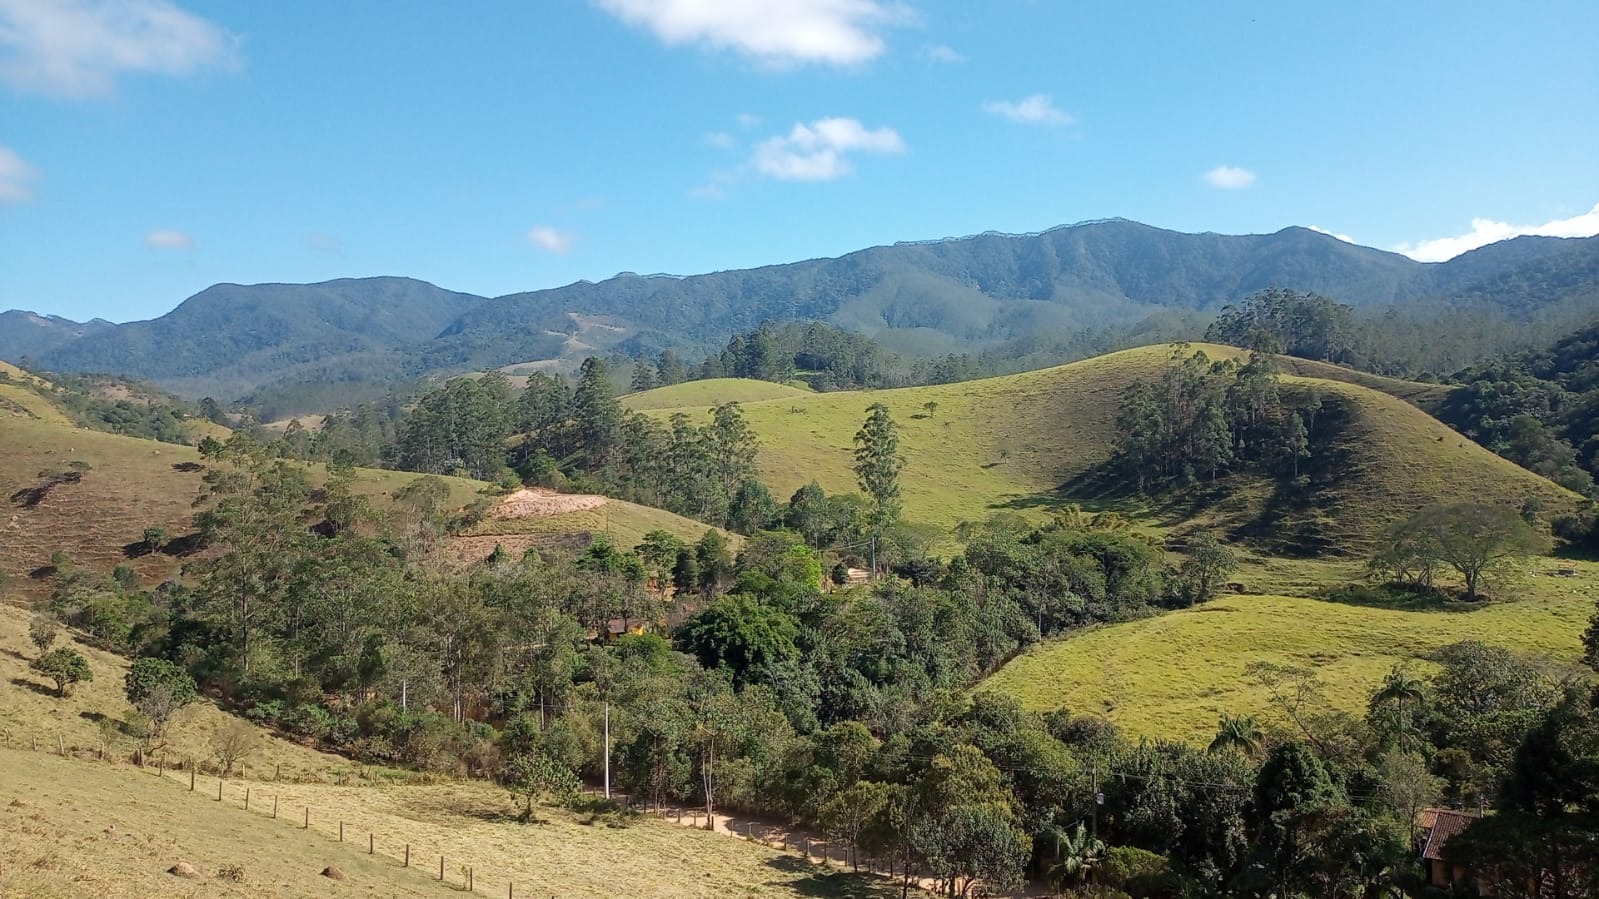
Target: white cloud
x: 720, y: 139
x: 551, y: 240
x: 169, y: 240
x: 16, y: 177
x: 1229, y: 177
x: 747, y: 120
x: 943, y: 54
x: 1038, y: 109
x: 1343, y: 237
x: 833, y: 32
x: 1487, y: 231
x: 77, y: 48
x: 820, y: 150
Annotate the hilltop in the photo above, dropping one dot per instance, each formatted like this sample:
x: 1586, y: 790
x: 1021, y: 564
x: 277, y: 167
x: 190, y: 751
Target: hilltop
x: 1038, y: 440
x: 312, y: 347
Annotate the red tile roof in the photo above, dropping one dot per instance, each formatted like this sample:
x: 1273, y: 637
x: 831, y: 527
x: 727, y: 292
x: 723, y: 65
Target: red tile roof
x: 1445, y: 824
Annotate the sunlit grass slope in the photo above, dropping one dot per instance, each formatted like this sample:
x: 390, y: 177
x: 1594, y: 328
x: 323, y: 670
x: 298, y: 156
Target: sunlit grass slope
x: 692, y: 394
x: 1173, y: 675
x: 73, y: 827
x: 1021, y: 441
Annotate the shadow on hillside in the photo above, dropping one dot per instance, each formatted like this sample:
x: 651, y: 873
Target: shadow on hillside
x: 15, y: 655
x: 42, y: 573
x: 94, y: 717
x: 187, y: 545
x: 829, y: 884
x: 30, y: 497
x: 187, y: 466
x: 35, y: 686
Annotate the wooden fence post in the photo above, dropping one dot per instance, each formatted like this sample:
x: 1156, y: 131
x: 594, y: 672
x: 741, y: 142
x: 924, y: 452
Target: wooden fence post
x: 61, y: 743
x: 246, y: 798
x: 469, y: 879
x: 441, y: 869
x: 341, y: 831
x: 219, y: 790
x: 307, y: 825
x: 371, y: 843
x: 191, y: 778
x: 407, y: 855
x: 274, y: 808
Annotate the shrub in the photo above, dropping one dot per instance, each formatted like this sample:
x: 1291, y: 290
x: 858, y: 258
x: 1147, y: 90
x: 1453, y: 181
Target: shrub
x: 64, y: 666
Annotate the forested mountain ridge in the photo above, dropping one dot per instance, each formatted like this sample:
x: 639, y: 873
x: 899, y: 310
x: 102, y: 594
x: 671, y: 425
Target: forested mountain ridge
x: 1039, y: 297
x: 229, y: 337
x: 28, y: 334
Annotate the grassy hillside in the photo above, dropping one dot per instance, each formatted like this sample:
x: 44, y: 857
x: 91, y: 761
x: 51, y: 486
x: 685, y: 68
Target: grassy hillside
x: 1038, y: 439
x: 61, y: 836
x: 707, y: 393
x: 128, y: 485
x: 1173, y: 675
x: 30, y: 710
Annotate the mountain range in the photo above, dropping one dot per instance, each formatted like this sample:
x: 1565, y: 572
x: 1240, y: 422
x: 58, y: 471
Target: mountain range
x: 355, y: 336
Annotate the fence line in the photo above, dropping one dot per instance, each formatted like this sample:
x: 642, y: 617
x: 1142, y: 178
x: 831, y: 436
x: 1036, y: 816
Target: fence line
x: 467, y: 879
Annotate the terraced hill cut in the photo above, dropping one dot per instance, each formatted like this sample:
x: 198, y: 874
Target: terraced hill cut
x: 534, y: 517
x: 1037, y: 440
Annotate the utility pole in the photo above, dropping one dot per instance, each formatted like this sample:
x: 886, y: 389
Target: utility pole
x: 1099, y: 799
x: 607, y: 749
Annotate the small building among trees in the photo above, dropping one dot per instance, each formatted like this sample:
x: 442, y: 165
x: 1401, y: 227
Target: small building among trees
x: 1438, y: 826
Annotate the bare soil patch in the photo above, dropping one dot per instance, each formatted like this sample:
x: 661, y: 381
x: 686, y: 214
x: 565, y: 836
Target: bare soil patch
x: 537, y: 502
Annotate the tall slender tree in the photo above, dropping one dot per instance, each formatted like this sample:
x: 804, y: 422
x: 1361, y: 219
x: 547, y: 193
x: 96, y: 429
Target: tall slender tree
x: 877, y: 467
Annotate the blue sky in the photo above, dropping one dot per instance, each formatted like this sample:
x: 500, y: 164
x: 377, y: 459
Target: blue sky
x: 149, y: 149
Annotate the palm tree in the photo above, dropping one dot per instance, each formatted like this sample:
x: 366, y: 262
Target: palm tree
x: 1238, y: 732
x: 1077, y: 853
x: 1399, y: 687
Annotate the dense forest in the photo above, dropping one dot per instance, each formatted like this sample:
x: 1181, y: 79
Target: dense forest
x: 846, y: 709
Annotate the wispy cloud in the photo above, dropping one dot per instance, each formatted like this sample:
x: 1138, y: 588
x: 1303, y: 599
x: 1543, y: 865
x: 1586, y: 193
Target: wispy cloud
x: 1486, y: 231
x: 820, y: 150
x: 77, y: 48
x: 16, y: 177
x: 943, y: 54
x: 829, y: 32
x: 1343, y: 237
x: 1229, y: 177
x: 720, y: 139
x: 322, y: 242
x: 1038, y: 109
x: 550, y: 239
x: 169, y: 240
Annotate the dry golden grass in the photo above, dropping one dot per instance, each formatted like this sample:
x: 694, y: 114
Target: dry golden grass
x: 31, y: 713
x: 129, y: 485
x: 71, y: 828
x: 76, y: 826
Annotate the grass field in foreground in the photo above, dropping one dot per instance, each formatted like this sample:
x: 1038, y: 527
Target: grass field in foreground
x: 1173, y: 675
x: 30, y: 712
x: 75, y: 827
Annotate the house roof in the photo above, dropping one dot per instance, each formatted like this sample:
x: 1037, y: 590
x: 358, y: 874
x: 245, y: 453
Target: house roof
x: 1442, y: 825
